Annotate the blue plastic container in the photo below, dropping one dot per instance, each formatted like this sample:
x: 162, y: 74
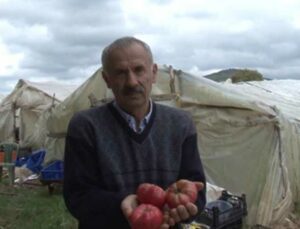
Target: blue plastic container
x: 35, y: 160
x: 21, y: 161
x: 53, y: 172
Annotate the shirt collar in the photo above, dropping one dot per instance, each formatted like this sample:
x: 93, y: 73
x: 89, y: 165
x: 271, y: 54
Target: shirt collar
x: 131, y: 120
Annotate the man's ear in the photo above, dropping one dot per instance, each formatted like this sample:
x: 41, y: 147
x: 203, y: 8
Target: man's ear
x: 154, y: 72
x: 106, y: 79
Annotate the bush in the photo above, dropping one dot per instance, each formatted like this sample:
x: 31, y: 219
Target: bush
x: 246, y: 75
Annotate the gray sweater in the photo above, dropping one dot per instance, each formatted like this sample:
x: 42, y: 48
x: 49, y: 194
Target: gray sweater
x: 105, y: 161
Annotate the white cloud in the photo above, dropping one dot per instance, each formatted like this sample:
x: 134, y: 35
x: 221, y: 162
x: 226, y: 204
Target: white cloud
x: 63, y: 40
x: 9, y: 62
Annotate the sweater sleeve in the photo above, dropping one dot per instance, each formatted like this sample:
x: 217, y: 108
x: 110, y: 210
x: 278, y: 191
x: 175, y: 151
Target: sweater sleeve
x: 191, y: 167
x: 93, y: 206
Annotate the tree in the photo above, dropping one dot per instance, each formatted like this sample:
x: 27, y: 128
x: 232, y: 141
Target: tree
x: 246, y: 75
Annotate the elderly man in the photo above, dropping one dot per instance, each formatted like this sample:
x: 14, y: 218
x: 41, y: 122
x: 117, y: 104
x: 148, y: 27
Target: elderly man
x: 113, y: 148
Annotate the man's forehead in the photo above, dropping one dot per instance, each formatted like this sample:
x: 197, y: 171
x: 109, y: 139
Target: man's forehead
x: 133, y: 55
x: 131, y: 62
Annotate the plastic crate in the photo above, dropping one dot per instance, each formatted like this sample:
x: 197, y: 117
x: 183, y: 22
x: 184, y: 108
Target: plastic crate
x: 8, y: 153
x: 8, y: 156
x: 53, y: 172
x: 35, y: 160
x: 225, y: 213
x: 21, y: 161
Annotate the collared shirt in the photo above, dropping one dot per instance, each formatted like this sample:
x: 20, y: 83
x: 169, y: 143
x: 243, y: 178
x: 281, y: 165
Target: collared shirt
x: 131, y: 120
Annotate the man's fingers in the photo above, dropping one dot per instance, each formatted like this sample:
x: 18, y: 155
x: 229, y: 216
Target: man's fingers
x: 126, y: 209
x: 128, y: 204
x: 174, y: 215
x: 171, y: 222
x: 192, y: 209
x: 127, y: 212
x: 166, y: 217
x: 199, y: 185
x: 183, y: 212
x: 168, y: 221
x: 164, y: 226
x: 180, y: 213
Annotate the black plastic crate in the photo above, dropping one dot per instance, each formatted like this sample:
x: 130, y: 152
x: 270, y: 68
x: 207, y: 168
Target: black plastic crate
x: 225, y: 213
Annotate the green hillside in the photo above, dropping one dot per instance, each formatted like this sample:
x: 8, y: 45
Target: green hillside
x: 222, y: 75
x: 236, y: 75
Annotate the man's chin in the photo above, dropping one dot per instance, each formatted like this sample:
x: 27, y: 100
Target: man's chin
x: 135, y: 98
x: 134, y: 102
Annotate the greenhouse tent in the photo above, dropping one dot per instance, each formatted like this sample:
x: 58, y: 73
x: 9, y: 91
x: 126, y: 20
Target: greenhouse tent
x: 20, y: 110
x: 52, y: 124
x: 247, y: 145
x: 1, y: 97
x: 283, y: 96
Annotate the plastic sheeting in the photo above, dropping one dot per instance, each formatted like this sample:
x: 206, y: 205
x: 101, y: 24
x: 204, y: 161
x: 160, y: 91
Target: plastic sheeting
x: 22, y: 107
x: 1, y: 97
x: 282, y: 94
x: 52, y: 124
x: 247, y: 144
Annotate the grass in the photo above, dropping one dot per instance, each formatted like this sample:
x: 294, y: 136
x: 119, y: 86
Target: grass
x: 31, y: 206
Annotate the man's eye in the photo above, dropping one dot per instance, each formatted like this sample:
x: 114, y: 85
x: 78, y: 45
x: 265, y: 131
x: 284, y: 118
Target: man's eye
x: 139, y: 70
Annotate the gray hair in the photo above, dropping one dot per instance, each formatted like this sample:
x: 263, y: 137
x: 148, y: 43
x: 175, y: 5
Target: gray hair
x: 123, y: 42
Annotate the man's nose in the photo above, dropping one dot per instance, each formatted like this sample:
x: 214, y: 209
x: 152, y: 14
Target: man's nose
x: 131, y: 79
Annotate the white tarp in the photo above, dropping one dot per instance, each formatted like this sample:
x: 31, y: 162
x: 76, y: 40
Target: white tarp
x: 23, y: 106
x: 283, y: 94
x: 1, y: 97
x: 284, y: 97
x: 53, y: 123
x: 247, y: 144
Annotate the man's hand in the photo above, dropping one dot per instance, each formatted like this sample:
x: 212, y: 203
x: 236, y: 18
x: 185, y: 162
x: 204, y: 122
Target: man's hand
x: 182, y: 212
x: 171, y: 216
x: 129, y: 204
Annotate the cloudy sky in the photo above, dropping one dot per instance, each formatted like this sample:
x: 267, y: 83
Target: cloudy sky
x: 62, y: 40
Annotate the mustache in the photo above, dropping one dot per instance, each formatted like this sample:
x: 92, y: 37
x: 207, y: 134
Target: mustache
x: 132, y: 90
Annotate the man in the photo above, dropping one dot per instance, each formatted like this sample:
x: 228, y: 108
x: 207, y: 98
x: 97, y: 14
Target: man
x: 113, y: 148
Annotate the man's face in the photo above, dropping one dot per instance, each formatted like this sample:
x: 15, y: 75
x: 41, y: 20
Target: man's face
x: 130, y: 75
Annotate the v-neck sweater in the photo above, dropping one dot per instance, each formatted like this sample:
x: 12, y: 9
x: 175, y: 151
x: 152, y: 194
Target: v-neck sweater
x: 105, y: 160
